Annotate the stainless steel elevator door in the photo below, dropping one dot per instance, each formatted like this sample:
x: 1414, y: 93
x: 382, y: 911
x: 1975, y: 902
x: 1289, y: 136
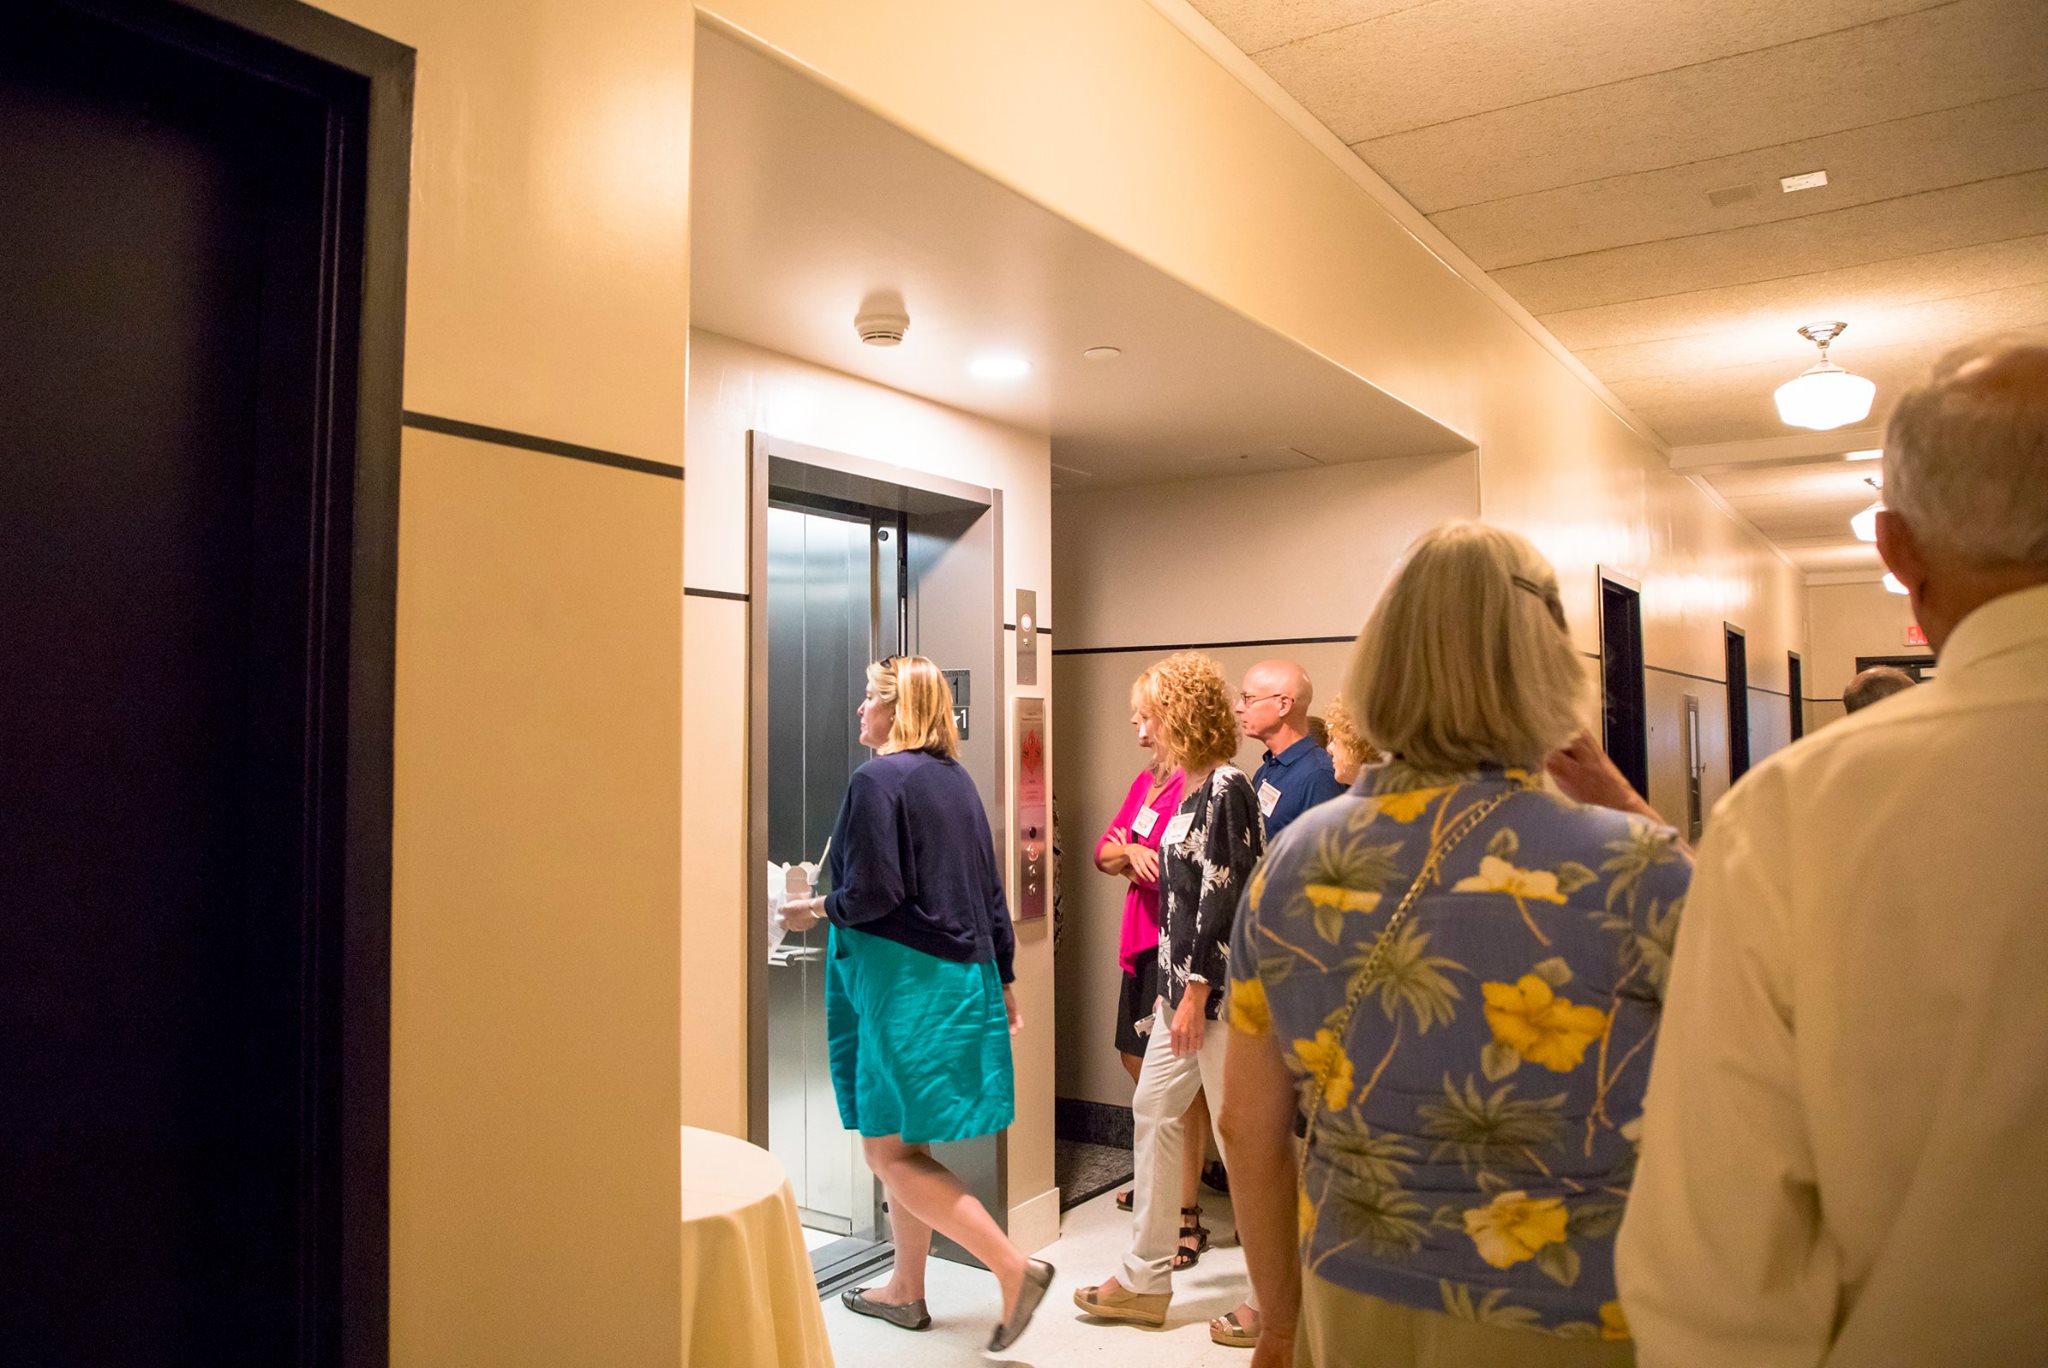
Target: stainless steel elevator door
x: 832, y: 607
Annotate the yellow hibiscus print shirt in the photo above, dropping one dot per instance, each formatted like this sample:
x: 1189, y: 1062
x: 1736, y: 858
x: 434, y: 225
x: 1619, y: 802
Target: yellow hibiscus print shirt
x: 1470, y: 1154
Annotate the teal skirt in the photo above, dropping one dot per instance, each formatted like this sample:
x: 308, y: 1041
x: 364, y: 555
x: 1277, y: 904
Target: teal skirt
x: 920, y: 1045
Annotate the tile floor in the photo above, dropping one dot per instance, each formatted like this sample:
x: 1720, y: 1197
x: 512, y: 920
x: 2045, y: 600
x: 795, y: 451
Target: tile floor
x: 964, y: 1306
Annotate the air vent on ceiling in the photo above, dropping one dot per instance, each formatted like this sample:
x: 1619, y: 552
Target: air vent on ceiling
x: 1730, y: 194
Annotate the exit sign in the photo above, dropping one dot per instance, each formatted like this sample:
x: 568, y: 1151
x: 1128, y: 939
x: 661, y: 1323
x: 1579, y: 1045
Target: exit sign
x: 1916, y: 635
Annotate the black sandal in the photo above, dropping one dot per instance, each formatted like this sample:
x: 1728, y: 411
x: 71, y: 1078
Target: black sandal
x: 1191, y: 1228
x: 1123, y: 1200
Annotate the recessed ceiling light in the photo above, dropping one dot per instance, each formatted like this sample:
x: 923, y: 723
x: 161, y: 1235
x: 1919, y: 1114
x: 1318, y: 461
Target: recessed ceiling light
x: 1869, y: 455
x: 1864, y: 524
x: 1806, y: 180
x: 999, y: 368
x: 1103, y: 353
x: 1892, y: 584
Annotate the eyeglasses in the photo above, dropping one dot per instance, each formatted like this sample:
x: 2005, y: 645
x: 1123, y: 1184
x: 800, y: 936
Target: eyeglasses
x: 1247, y: 699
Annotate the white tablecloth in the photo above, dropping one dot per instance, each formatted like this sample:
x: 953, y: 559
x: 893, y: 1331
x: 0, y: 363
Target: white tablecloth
x: 749, y: 1300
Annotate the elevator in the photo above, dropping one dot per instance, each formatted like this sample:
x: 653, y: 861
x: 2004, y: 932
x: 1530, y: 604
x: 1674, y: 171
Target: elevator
x: 855, y: 561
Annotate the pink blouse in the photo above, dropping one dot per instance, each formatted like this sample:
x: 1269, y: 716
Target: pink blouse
x: 1141, y: 900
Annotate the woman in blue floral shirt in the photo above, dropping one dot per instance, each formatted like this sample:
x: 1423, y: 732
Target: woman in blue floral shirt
x: 1472, y: 1115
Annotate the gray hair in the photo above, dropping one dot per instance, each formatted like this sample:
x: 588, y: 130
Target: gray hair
x: 1874, y: 684
x: 1966, y: 454
x: 1465, y: 659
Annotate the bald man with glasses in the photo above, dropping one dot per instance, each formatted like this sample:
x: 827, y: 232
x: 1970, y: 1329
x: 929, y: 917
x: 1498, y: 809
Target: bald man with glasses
x: 1295, y: 773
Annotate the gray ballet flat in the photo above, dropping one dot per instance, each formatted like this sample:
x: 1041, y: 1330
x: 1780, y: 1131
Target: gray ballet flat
x: 1037, y: 1278
x: 909, y: 1316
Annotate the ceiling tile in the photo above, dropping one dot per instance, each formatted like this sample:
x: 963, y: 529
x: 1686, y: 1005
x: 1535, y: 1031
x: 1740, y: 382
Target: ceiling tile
x: 1818, y: 557
x: 1760, y: 318
x: 1771, y: 338
x: 1733, y: 403
x: 1255, y: 25
x: 1935, y: 59
x: 1865, y: 166
x: 1989, y: 211
x: 1431, y: 64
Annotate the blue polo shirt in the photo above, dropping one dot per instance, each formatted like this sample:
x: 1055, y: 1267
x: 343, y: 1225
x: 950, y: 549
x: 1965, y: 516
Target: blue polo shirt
x: 1303, y: 774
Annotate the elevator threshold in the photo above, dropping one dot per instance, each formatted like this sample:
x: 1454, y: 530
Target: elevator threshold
x: 847, y: 1261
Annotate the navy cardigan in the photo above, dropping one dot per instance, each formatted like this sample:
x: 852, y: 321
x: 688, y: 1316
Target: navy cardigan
x: 912, y: 859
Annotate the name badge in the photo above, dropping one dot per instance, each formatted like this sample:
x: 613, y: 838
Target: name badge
x: 1269, y: 797
x: 1142, y: 824
x: 1177, y: 829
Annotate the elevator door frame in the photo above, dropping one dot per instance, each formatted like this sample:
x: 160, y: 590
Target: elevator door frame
x: 345, y: 401
x: 781, y: 471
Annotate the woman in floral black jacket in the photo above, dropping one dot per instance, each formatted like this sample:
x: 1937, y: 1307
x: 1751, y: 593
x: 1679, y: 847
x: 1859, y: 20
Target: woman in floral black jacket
x: 1206, y: 859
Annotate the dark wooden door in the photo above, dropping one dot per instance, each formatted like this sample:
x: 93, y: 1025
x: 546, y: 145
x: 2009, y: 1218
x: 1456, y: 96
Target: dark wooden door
x: 1737, y: 657
x: 1624, y: 713
x: 180, y: 259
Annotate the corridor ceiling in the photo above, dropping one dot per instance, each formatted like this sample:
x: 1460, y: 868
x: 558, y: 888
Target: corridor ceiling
x: 1614, y: 165
x: 811, y: 203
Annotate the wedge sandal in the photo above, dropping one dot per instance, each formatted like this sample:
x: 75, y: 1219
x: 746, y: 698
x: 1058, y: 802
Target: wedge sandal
x: 1229, y: 1331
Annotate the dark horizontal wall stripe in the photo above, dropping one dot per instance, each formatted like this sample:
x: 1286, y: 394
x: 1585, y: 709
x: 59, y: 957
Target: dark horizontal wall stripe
x: 726, y: 594
x: 548, y: 446
x: 1334, y: 640
x: 1042, y: 631
x: 1704, y: 679
x: 1683, y: 674
x: 1202, y: 645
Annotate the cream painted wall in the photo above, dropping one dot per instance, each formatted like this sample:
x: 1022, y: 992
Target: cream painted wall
x: 735, y: 387
x: 1254, y: 557
x: 1245, y: 558
x: 1851, y: 620
x: 1099, y: 758
x: 534, y: 1175
x: 1106, y: 113
x: 1308, y: 554
x: 533, y: 1076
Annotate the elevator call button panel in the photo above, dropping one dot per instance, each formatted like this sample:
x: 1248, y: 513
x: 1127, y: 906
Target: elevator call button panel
x: 1029, y: 886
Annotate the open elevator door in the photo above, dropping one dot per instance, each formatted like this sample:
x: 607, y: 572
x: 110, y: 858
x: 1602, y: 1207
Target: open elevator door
x: 854, y: 561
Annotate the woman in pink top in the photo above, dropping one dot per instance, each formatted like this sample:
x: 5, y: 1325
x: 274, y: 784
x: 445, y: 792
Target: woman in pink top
x: 1130, y: 850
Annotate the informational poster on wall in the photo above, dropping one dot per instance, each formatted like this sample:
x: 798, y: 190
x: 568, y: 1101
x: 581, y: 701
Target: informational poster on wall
x: 1028, y: 886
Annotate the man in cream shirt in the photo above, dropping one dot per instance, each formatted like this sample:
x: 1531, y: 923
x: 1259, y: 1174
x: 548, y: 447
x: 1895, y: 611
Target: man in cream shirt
x: 1845, y: 1143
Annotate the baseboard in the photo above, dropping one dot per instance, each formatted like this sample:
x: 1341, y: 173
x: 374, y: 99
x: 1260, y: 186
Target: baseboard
x: 1036, y: 1223
x: 1096, y: 1123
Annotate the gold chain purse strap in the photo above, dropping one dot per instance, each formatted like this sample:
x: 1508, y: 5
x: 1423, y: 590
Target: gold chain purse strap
x: 1362, y: 981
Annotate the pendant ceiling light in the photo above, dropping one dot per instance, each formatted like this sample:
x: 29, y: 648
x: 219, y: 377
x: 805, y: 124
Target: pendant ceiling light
x: 1824, y: 396
x: 1864, y: 524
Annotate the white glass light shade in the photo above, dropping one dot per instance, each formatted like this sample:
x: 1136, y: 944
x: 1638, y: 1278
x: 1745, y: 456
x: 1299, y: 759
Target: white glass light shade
x: 1864, y: 524
x: 1825, y: 396
x: 1892, y: 585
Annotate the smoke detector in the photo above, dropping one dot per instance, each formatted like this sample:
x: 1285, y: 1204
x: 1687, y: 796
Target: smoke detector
x: 881, y: 329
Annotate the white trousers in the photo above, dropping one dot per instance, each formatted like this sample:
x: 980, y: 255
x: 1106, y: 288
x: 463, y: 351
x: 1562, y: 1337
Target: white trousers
x: 1166, y: 1089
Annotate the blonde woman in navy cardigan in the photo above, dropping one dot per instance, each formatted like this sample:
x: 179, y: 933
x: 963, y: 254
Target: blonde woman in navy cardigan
x: 918, y: 1006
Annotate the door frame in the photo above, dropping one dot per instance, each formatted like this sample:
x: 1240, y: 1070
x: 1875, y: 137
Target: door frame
x: 367, y: 90
x: 1738, y: 698
x: 1634, y: 761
